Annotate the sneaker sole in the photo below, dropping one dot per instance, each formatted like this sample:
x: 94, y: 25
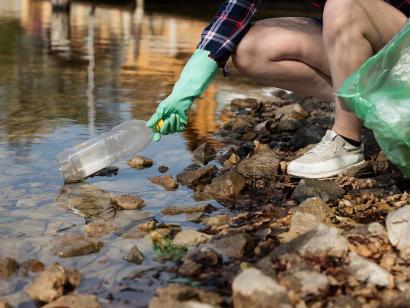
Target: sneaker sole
x: 325, y: 175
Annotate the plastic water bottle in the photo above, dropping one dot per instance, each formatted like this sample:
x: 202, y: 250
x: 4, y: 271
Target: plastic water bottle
x: 97, y: 153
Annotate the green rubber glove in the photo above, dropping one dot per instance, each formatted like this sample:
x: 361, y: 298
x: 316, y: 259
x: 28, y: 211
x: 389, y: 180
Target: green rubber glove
x: 195, y: 78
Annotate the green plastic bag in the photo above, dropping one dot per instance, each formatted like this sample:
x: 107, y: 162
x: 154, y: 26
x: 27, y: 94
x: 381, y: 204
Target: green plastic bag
x: 379, y: 93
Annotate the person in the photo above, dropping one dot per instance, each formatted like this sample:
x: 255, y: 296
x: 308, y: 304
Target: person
x: 306, y: 56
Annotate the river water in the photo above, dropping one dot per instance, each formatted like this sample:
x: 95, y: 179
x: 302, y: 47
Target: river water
x: 66, y: 77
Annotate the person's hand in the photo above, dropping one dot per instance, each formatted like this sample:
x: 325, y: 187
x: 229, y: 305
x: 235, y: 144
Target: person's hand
x: 196, y: 76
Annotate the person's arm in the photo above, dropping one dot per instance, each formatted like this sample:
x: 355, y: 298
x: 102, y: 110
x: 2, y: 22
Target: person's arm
x: 218, y: 42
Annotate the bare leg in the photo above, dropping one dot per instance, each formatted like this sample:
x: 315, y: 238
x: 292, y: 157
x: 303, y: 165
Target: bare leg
x: 353, y: 31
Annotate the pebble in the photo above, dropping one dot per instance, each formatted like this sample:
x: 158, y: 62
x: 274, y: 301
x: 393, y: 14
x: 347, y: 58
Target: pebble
x: 134, y: 255
x: 75, y: 300
x: 308, y: 188
x: 166, y: 181
x: 190, y: 237
x: 140, y: 162
x: 53, y: 282
x: 252, y: 288
x: 199, y: 175
x: 99, y: 228
x: 234, y: 246
x: 307, y: 283
x: 197, y: 261
x: 4, y: 304
x: 217, y: 220
x: 263, y: 164
x: 204, y: 153
x: 31, y: 265
x: 225, y: 186
x: 162, y: 169
x: 127, y: 202
x: 73, y: 245
x: 8, y: 266
x: 178, y: 210
x: 147, y: 226
x: 398, y: 229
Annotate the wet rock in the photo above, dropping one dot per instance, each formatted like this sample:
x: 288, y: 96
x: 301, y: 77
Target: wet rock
x: 140, y: 162
x: 190, y: 237
x: 75, y: 300
x: 234, y: 246
x: 264, y: 164
x: 197, y: 261
x: 180, y: 296
x: 368, y: 271
x: 31, y: 265
x: 226, y: 185
x: 217, y: 220
x: 147, y: 226
x: 252, y: 288
x: 126, y: 202
x: 398, y: 228
x: 307, y: 283
x: 166, y: 181
x: 305, y: 136
x: 73, y: 245
x: 99, y: 228
x: 8, y: 267
x: 4, y: 304
x: 162, y: 169
x: 307, y: 188
x: 321, y: 241
x: 178, y: 210
x: 53, y: 282
x: 242, y: 103
x: 201, y: 175
x: 134, y: 255
x: 204, y: 153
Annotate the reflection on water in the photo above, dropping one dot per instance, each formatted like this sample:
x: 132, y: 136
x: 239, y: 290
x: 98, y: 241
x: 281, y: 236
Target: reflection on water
x: 66, y: 75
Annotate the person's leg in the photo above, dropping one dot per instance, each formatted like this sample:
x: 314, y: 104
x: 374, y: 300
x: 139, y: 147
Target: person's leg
x: 354, y: 30
x: 287, y: 53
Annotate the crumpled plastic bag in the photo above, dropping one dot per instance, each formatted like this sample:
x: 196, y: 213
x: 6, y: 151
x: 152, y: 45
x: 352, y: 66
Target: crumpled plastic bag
x: 379, y: 93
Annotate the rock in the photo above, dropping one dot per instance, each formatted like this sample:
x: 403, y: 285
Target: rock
x: 147, y: 226
x: 217, y: 220
x: 252, y: 288
x: 162, y: 169
x: 31, y: 265
x: 178, y: 210
x: 307, y: 283
x: 140, y: 162
x: 225, y: 186
x: 134, y: 255
x: 107, y: 171
x: 241, y: 103
x: 231, y: 161
x: 234, y: 246
x: 291, y: 112
x: 73, y: 245
x: 180, y: 296
x: 75, y: 300
x: 4, y: 304
x: 317, y: 208
x: 190, y: 237
x: 321, y: 241
x: 197, y: 261
x: 99, y: 228
x: 307, y: 188
x: 398, y: 229
x: 53, y: 282
x: 289, y: 125
x: 368, y: 271
x: 166, y: 181
x: 264, y: 164
x: 204, y: 153
x: 202, y: 175
x: 300, y: 224
x: 344, y: 301
x: 8, y: 267
x: 311, y: 134
x: 126, y: 202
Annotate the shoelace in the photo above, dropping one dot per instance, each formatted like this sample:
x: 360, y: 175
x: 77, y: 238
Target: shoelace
x: 321, y: 146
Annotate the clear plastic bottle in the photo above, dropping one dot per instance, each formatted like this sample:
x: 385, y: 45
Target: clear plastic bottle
x: 125, y: 139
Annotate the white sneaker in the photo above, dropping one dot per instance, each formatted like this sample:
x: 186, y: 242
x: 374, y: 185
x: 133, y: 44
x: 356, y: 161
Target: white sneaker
x: 329, y: 157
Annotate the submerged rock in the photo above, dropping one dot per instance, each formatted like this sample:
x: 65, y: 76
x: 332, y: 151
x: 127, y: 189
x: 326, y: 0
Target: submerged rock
x: 8, y: 266
x: 53, y: 282
x: 198, y: 260
x: 31, y: 265
x: 252, y: 288
x: 127, y: 202
x: 398, y: 228
x: 307, y: 282
x: 226, y: 185
x: 162, y: 169
x: 178, y: 210
x: 166, y: 181
x: 99, y: 228
x: 134, y: 255
x: 140, y: 162
x: 234, y: 246
x: 204, y: 153
x: 308, y: 188
x: 190, y: 237
x: 264, y: 164
x: 75, y: 300
x: 200, y: 175
x: 73, y: 245
x: 368, y: 271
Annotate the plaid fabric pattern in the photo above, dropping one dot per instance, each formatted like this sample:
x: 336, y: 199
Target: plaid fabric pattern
x: 232, y: 21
